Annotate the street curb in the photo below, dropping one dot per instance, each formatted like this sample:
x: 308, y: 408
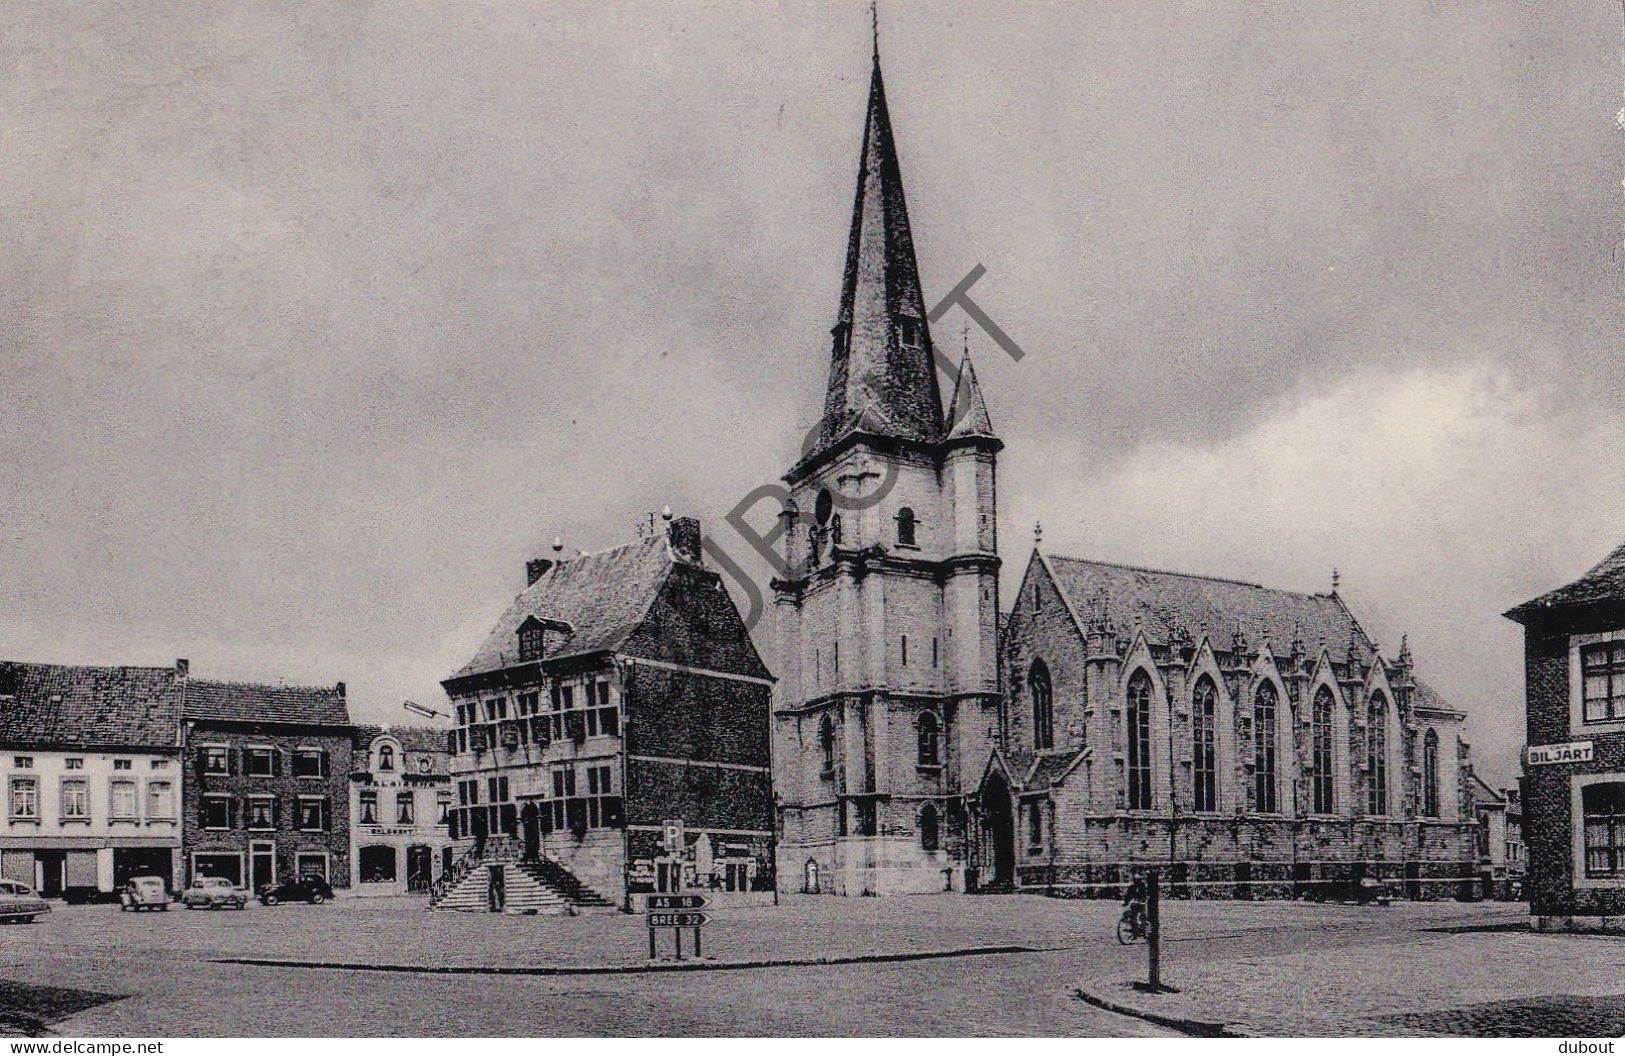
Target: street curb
x: 1196, y: 1028
x: 635, y: 969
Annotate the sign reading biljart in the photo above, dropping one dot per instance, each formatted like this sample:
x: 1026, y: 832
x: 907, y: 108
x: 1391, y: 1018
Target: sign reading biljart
x: 1573, y: 752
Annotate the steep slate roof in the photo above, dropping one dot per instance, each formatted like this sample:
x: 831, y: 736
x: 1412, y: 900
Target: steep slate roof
x: 1484, y: 795
x: 602, y: 596
x: 1166, y: 601
x: 251, y: 702
x: 1049, y: 770
x: 1428, y: 697
x: 53, y: 705
x: 875, y: 383
x: 1605, y: 581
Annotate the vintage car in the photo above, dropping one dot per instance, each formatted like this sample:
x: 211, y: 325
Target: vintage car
x: 144, y: 892
x: 214, y: 892
x: 312, y: 889
x: 19, y: 903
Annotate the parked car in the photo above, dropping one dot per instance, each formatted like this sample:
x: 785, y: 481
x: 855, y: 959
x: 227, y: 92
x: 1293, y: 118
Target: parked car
x: 312, y: 889
x: 144, y: 892
x: 214, y: 892
x: 18, y: 902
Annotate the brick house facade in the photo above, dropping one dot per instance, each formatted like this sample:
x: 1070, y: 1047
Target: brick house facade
x: 267, y: 782
x: 614, y: 729
x: 1573, y: 785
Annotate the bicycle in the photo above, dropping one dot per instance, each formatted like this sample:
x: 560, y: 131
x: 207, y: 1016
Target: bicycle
x: 1131, y: 927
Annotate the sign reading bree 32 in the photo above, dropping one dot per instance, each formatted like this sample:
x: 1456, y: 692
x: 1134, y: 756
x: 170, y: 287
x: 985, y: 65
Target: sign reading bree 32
x: 1573, y: 752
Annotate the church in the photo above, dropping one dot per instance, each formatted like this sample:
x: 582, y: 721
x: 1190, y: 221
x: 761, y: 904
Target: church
x: 1249, y: 742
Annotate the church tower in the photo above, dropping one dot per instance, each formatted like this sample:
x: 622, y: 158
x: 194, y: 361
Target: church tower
x: 886, y: 615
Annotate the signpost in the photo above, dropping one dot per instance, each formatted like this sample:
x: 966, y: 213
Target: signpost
x: 675, y: 912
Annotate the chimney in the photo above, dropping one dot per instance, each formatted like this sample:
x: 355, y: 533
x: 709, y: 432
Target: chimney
x: 535, y: 569
x: 339, y: 689
x: 683, y: 534
x: 183, y: 668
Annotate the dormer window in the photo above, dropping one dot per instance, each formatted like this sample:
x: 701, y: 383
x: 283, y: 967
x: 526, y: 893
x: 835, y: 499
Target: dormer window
x: 531, y: 636
x: 908, y: 332
x: 905, y: 527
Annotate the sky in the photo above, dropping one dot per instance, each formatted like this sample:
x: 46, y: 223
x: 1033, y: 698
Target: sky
x: 316, y: 322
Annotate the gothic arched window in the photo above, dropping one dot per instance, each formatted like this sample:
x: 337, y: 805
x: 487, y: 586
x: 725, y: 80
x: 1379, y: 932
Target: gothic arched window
x: 1043, y: 706
x: 1204, y: 745
x: 1321, y: 755
x: 1265, y: 703
x: 905, y: 527
x: 929, y: 828
x: 930, y: 737
x: 1430, y: 775
x: 826, y: 742
x: 1376, y: 756
x: 1139, y: 741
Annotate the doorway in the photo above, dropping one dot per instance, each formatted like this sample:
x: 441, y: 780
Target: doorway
x: 998, y: 825
x: 531, y: 826
x: 496, y: 891
x: 419, y: 867
x: 261, y: 864
x: 50, y: 873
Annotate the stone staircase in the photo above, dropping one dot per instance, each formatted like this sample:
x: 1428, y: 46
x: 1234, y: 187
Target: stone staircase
x: 542, y: 887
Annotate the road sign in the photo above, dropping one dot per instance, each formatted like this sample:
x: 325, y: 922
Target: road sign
x: 678, y: 920
x: 672, y: 833
x: 676, y: 902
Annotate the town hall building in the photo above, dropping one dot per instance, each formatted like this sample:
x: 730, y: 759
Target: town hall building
x: 1250, y: 742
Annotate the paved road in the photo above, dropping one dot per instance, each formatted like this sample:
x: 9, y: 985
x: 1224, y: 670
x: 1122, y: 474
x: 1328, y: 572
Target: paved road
x: 168, y: 967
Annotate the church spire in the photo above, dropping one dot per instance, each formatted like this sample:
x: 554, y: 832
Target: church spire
x: 967, y: 415
x: 881, y: 377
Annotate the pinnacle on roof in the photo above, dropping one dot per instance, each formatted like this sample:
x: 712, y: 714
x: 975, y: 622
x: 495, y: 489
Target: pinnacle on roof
x: 967, y: 415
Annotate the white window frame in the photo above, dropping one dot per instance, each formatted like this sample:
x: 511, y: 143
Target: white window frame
x: 223, y: 798
x: 322, y: 809
x: 248, y: 814
x: 83, y: 817
x: 221, y: 748
x: 1578, y: 727
x: 146, y: 801
x: 1580, y: 880
x: 270, y: 750
x: 113, y: 814
x: 307, y: 749
x: 11, y: 801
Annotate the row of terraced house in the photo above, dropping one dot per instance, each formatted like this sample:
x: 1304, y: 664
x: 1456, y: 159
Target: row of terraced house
x: 112, y: 772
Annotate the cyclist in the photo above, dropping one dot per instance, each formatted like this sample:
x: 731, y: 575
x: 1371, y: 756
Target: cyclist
x: 1134, y: 906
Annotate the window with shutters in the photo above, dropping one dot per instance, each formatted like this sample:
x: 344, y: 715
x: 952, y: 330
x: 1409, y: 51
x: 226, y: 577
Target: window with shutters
x: 261, y: 813
x: 260, y: 762
x: 216, y: 812
x: 309, y: 762
x: 215, y: 760
x: 314, y: 814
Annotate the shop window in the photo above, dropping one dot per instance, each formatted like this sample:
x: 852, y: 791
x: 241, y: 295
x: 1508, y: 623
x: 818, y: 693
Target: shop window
x: 377, y: 865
